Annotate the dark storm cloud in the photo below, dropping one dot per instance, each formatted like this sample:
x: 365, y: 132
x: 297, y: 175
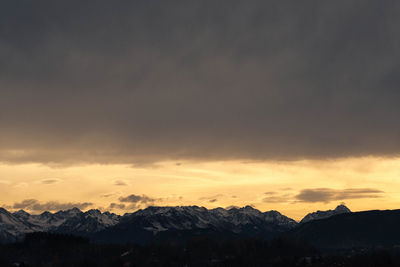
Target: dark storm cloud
x: 35, y: 205
x: 327, y: 194
x: 143, y: 81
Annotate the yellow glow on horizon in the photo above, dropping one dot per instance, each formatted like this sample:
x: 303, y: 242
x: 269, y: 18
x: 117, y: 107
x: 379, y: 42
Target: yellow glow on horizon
x: 209, y: 184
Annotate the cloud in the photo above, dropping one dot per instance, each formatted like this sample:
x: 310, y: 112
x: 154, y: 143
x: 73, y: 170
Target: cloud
x: 117, y: 206
x: 120, y: 183
x: 327, y: 194
x: 27, y: 203
x: 137, y: 198
x: 137, y: 201
x: 35, y: 205
x: 172, y: 81
x: 212, y: 198
x: 110, y: 194
x: 273, y: 197
x: 320, y: 195
x: 50, y: 181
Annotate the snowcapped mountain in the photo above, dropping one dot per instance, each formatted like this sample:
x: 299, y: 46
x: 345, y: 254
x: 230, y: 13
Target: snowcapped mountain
x: 14, y: 225
x: 11, y: 226
x: 325, y: 214
x: 156, y: 219
x: 145, y: 224
x: 47, y: 221
x: 173, y: 222
x: 88, y: 222
x: 155, y: 223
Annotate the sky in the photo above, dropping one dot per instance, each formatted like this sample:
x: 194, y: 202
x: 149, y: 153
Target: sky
x: 291, y: 106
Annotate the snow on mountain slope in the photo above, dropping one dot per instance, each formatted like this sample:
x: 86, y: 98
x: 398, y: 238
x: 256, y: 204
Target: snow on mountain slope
x: 13, y: 226
x: 48, y: 221
x: 152, y: 221
x: 318, y: 215
x: 158, y: 219
x: 88, y: 222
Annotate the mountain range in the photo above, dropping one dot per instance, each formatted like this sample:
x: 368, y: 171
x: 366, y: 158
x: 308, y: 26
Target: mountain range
x: 331, y: 229
x: 154, y: 223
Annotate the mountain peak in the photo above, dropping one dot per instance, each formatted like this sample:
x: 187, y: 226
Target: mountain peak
x: 94, y: 212
x: 250, y: 210
x: 45, y: 213
x: 318, y: 215
x: 342, y: 209
x: 74, y: 210
x: 3, y: 210
x: 70, y: 212
x: 21, y: 213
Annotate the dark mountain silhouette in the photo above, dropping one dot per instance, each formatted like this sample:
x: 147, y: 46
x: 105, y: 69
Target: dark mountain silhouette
x: 352, y: 230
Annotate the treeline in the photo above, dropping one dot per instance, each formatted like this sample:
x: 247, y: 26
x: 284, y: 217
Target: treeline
x: 46, y: 249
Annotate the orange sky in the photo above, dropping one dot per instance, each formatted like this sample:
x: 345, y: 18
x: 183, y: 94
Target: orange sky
x: 361, y: 183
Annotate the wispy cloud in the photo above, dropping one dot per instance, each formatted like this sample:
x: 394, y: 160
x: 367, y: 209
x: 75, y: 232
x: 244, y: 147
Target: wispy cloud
x: 50, y: 181
x: 116, y: 206
x: 120, y: 183
x: 137, y: 201
x: 110, y: 194
x: 213, y: 198
x: 320, y: 195
x: 35, y: 205
x: 275, y: 197
x: 328, y: 194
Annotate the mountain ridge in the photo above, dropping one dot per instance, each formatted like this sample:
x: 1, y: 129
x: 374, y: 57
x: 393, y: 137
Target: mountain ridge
x: 163, y: 222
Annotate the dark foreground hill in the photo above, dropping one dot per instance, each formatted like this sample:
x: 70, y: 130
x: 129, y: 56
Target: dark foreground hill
x: 48, y: 249
x: 352, y: 230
